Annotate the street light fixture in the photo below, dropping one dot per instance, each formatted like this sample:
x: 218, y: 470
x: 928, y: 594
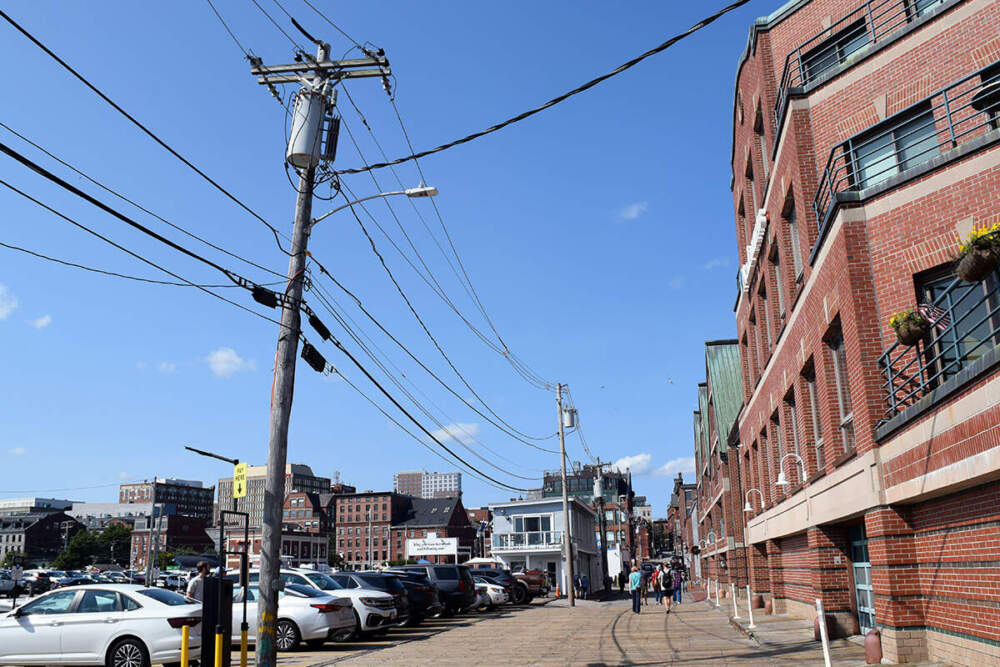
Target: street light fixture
x: 782, y: 481
x: 414, y: 193
x: 747, y: 507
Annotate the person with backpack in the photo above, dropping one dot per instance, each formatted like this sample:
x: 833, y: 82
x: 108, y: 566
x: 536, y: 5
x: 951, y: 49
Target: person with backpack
x: 655, y: 582
x: 667, y: 582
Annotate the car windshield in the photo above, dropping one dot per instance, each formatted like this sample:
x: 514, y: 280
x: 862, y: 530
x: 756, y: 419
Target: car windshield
x: 166, y: 597
x: 382, y: 583
x: 324, y: 582
x: 303, y: 591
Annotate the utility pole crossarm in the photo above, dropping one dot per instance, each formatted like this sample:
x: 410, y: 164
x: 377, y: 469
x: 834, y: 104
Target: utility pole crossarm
x: 323, y: 69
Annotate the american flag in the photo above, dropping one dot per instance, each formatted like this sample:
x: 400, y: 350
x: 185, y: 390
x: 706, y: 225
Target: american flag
x: 936, y: 316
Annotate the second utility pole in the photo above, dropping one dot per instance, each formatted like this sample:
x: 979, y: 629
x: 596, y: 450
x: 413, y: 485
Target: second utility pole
x: 567, y: 518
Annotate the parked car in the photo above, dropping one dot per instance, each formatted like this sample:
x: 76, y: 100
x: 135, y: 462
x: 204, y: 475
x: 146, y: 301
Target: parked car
x: 537, y: 582
x: 519, y: 593
x: 172, y: 581
x: 379, y: 581
x: 498, y: 593
x: 458, y: 590
x: 373, y: 609
x: 120, y: 625
x: 304, y: 615
x: 424, y: 597
x: 6, y: 584
x: 35, y: 582
x: 73, y: 580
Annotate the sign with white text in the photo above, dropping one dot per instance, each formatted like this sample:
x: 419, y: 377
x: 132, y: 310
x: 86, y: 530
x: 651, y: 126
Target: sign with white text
x: 437, y: 546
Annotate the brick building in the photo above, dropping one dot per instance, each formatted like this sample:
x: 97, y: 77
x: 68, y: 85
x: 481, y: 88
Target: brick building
x: 39, y: 535
x: 298, y: 477
x: 362, y: 522
x: 719, y: 512
x: 298, y: 546
x: 433, y: 518
x: 864, y: 143
x: 189, y: 497
x: 423, y: 484
x: 169, y: 533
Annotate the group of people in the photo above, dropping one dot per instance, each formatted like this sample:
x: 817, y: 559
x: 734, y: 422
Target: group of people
x: 666, y: 581
x: 581, y: 583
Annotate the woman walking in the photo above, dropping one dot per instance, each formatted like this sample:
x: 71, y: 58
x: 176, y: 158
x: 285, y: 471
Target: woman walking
x: 678, y: 581
x: 668, y: 591
x: 635, y: 588
x: 654, y: 581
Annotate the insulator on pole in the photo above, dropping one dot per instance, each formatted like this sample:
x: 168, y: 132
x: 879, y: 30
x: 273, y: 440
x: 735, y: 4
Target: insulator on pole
x: 313, y: 357
x: 318, y: 325
x: 264, y: 296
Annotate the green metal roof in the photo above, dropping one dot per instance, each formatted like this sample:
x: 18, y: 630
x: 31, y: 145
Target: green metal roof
x: 725, y: 376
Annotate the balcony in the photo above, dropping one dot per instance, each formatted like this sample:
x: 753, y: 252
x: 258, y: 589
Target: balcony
x: 843, y: 42
x: 537, y: 540
x: 895, y: 150
x: 965, y: 329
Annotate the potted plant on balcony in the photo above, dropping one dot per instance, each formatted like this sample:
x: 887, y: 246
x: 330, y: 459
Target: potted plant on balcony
x: 909, y: 325
x: 979, y: 254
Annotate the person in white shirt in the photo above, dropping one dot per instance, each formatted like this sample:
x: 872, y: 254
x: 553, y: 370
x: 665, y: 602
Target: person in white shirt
x: 196, y: 587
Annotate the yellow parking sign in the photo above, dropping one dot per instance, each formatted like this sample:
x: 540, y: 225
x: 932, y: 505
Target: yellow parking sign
x: 240, y: 480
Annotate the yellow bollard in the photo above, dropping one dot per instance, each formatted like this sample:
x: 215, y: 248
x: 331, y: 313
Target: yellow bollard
x: 218, y: 649
x: 185, y: 640
x: 243, y: 648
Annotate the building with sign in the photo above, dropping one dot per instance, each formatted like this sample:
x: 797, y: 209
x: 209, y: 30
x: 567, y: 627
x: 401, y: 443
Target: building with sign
x: 426, y: 523
x: 189, y: 497
x: 530, y: 534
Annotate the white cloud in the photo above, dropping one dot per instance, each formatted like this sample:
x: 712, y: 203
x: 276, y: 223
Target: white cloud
x: 633, y: 211
x: 8, y: 302
x: 166, y: 367
x: 457, y: 431
x: 41, y: 322
x: 124, y: 476
x: 671, y: 468
x: 224, y: 362
x: 17, y: 451
x: 715, y: 263
x: 639, y: 464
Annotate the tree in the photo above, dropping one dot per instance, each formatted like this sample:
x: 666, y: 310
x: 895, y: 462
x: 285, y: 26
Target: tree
x: 10, y: 556
x: 81, y: 551
x: 115, y: 542
x: 164, y: 559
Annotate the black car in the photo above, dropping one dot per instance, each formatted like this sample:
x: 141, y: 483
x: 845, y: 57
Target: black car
x: 458, y: 590
x: 379, y: 581
x: 425, y: 599
x: 518, y: 591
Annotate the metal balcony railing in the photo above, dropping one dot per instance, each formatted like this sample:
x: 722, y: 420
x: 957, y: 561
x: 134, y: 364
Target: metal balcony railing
x: 964, y: 110
x: 965, y: 326
x: 529, y: 540
x: 847, y: 39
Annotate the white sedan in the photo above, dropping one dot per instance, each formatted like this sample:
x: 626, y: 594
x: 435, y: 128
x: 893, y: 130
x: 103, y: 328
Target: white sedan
x: 498, y: 595
x: 119, y: 625
x: 304, y: 614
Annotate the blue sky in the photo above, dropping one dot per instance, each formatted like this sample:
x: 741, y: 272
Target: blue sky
x: 598, y: 234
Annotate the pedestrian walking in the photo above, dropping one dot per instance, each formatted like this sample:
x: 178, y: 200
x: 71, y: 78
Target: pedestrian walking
x: 577, y: 585
x: 678, y: 581
x: 634, y: 587
x: 585, y: 585
x: 655, y: 582
x: 622, y: 577
x: 645, y: 585
x: 667, y: 580
x: 196, y: 587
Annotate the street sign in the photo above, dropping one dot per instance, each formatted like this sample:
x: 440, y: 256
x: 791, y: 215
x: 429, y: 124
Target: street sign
x: 240, y: 480
x: 17, y: 573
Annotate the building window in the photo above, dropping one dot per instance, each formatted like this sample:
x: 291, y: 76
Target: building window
x: 833, y: 51
x: 793, y: 235
x: 766, y: 319
x: 838, y: 361
x: 991, y: 75
x: 921, y: 7
x: 778, y: 280
x: 894, y: 147
x: 758, y: 128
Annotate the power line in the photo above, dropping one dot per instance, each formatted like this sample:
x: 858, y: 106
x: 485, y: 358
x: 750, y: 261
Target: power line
x: 125, y: 199
x: 420, y: 363
x: 115, y: 274
x: 579, y: 426
x: 142, y: 127
x: 556, y: 100
x: 342, y: 319
x: 226, y: 26
x: 427, y: 331
x: 278, y: 25
x: 333, y: 25
x: 133, y: 254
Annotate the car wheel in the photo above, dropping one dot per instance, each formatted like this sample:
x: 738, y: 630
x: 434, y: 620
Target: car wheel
x: 287, y: 636
x: 518, y: 594
x: 128, y: 653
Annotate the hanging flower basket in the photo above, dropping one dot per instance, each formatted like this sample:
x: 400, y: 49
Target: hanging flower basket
x: 910, y: 326
x: 979, y: 254
x: 978, y: 264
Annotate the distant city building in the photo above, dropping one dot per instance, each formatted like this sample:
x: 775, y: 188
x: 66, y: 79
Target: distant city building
x: 339, y: 488
x: 189, y: 497
x: 360, y: 516
x: 33, y: 505
x: 96, y: 516
x: 169, y: 533
x: 298, y: 477
x: 39, y: 535
x: 423, y: 484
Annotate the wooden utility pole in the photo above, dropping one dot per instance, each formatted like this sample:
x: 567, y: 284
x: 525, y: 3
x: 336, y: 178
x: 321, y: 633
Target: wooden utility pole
x: 567, y: 518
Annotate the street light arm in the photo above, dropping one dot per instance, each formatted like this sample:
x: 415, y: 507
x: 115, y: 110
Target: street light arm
x: 420, y: 191
x: 799, y: 458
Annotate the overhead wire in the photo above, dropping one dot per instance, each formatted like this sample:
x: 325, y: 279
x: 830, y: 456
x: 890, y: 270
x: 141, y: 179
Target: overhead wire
x: 556, y: 100
x: 131, y: 202
x: 333, y: 25
x: 146, y: 130
x: 579, y: 424
x: 120, y: 275
x: 278, y: 26
x: 225, y: 25
x: 355, y: 330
